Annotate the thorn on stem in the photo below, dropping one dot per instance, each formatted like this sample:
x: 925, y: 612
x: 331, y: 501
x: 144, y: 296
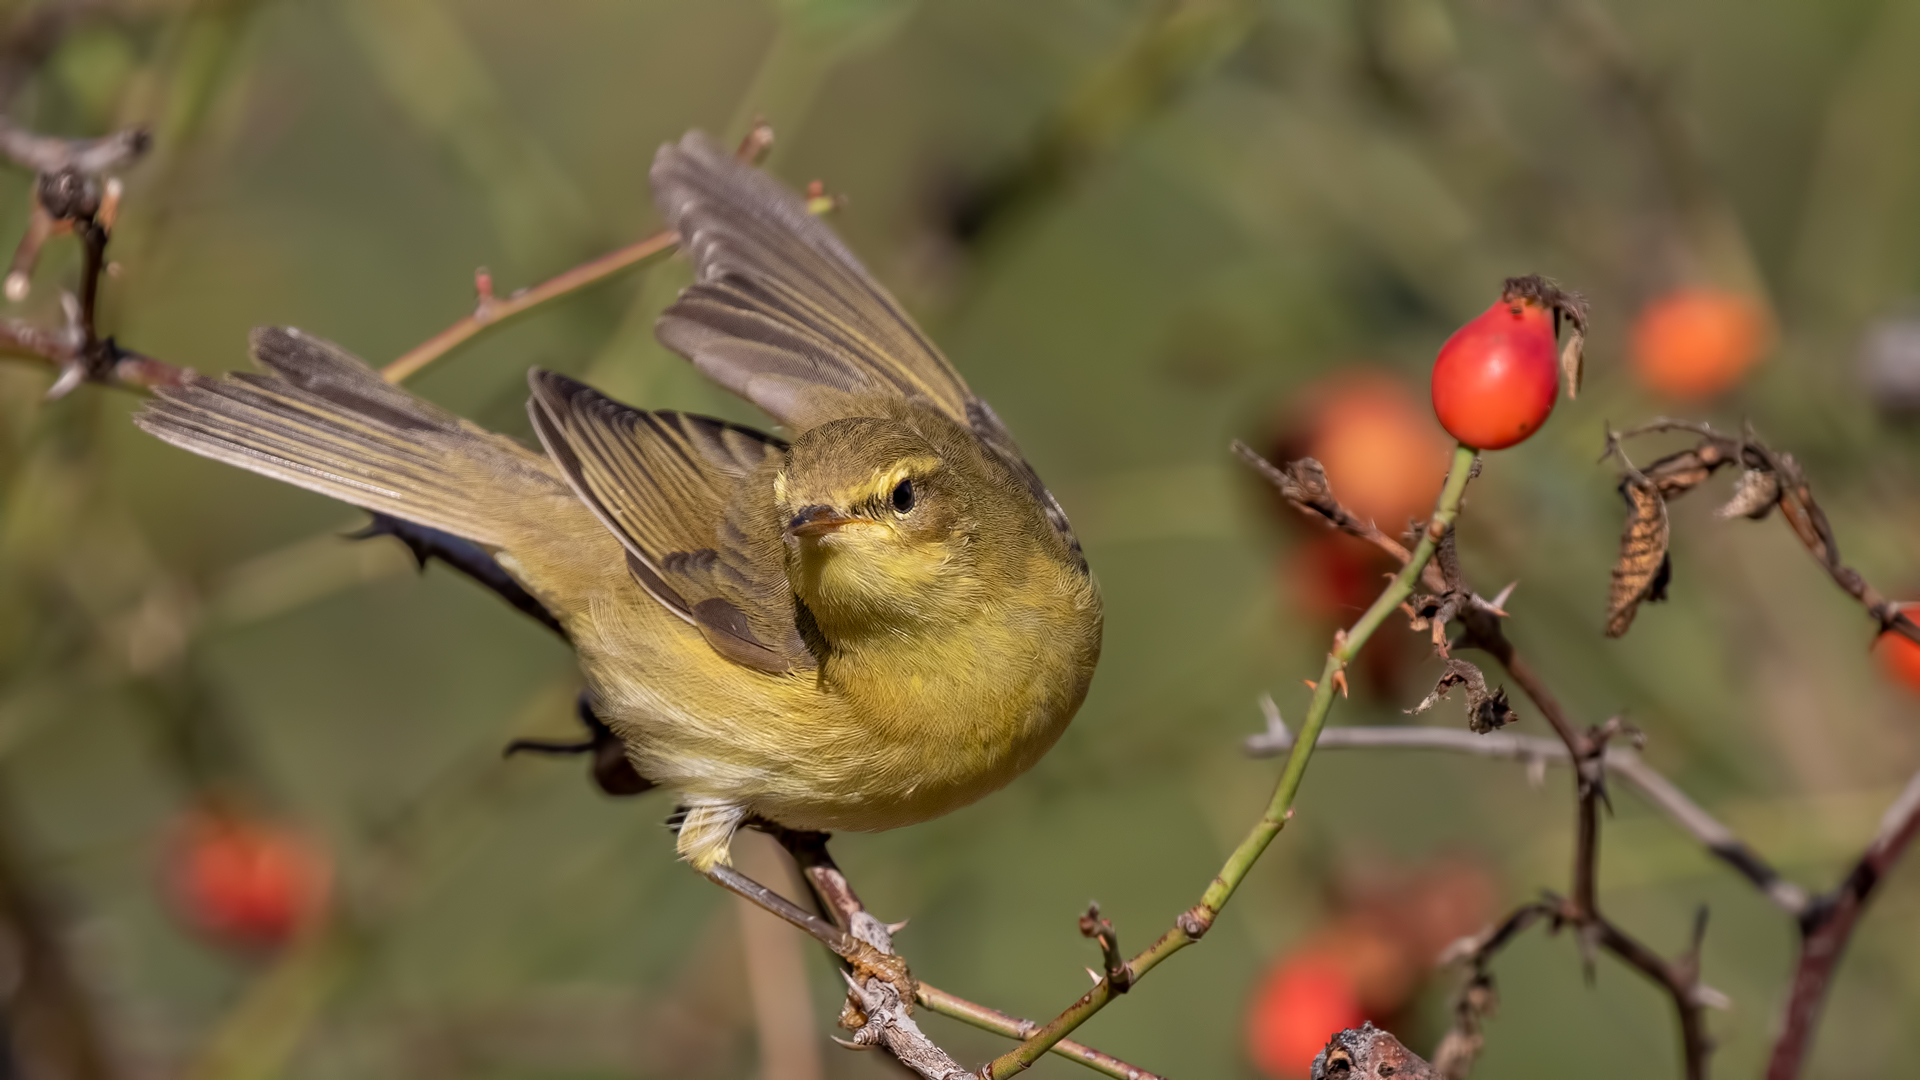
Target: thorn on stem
x: 1498, y: 604
x: 72, y: 374
x: 1276, y: 725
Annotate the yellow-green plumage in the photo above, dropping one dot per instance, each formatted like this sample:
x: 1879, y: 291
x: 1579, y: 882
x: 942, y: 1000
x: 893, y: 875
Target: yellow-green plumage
x: 870, y: 627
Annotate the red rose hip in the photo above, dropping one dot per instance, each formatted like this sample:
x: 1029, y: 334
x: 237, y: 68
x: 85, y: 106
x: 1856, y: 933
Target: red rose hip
x: 1302, y: 1001
x: 245, y: 883
x: 1899, y: 658
x: 1496, y: 378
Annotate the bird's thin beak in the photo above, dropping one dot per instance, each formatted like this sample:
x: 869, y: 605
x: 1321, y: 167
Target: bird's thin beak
x: 816, y: 521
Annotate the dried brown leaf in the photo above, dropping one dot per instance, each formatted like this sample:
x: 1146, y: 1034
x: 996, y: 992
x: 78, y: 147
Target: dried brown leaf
x: 1460, y: 1047
x: 1486, y: 710
x: 1571, y: 357
x: 1681, y: 472
x: 1642, y: 570
x: 1755, y: 497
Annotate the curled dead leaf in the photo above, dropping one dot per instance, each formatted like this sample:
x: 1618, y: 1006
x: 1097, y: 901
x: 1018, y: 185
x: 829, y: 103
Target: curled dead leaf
x: 1755, y: 497
x: 1642, y: 571
x: 1681, y: 472
x: 1486, y: 710
x: 1572, y: 356
x: 1460, y: 1047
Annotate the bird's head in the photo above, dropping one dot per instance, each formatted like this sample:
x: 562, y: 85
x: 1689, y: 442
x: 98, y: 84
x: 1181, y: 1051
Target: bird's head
x: 883, y: 526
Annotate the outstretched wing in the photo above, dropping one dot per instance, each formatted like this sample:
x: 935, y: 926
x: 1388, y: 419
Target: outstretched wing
x: 320, y: 418
x: 781, y: 313
x: 664, y: 483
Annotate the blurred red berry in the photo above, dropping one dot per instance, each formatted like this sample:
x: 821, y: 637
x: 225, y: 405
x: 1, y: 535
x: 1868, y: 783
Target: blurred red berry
x: 1305, y: 999
x: 1385, y: 459
x: 1334, y: 577
x: 245, y: 883
x: 1496, y: 378
x: 1899, y: 658
x: 1450, y: 897
x: 1695, y: 343
x: 1371, y: 951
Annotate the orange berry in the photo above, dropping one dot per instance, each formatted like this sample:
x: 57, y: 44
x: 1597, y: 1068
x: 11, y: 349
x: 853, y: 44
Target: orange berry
x: 1899, y: 658
x: 1696, y: 343
x: 1303, y: 1000
x: 1383, y: 456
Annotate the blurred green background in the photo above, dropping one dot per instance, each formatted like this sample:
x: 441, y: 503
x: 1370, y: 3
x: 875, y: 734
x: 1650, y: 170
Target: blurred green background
x: 1140, y: 229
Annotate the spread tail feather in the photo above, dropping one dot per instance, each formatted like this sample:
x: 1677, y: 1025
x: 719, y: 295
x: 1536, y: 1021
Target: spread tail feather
x: 323, y: 420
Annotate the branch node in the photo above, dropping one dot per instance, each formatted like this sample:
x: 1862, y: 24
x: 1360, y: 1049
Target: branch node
x: 1093, y: 926
x: 1195, y: 921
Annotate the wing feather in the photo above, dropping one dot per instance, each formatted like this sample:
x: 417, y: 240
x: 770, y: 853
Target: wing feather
x: 768, y: 271
x: 665, y: 483
x: 781, y: 313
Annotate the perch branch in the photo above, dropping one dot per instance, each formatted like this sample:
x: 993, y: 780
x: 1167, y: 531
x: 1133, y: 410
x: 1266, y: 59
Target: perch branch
x: 879, y: 1000
x: 838, y: 899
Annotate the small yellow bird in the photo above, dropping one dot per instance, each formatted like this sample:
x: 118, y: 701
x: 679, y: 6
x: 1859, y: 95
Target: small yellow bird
x: 870, y: 626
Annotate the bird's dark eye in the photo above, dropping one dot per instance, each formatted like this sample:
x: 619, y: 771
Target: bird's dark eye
x: 903, y: 496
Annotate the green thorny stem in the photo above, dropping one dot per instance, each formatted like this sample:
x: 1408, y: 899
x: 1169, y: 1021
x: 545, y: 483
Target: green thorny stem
x: 1196, y: 920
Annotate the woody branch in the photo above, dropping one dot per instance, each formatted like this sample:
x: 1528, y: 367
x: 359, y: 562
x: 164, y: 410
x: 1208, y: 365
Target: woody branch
x: 1770, y: 480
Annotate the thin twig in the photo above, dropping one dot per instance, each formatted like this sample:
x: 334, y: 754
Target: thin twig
x: 1113, y: 963
x: 1014, y: 1027
x: 1713, y: 835
x: 491, y: 311
x: 837, y: 898
x: 1304, y: 485
x: 1829, y: 924
x: 1678, y: 978
x: 1193, y: 923
x: 880, y: 989
x: 1794, y: 499
x: 1460, y: 1047
x: 74, y: 192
